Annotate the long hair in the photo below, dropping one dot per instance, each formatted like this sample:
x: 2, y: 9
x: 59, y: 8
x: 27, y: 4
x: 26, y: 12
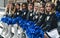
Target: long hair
x: 43, y: 5
x: 38, y: 5
x: 52, y: 7
x: 12, y: 10
x: 7, y: 8
x: 25, y: 4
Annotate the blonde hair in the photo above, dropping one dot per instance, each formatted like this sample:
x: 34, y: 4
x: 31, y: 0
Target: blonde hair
x: 12, y: 11
x: 42, y: 5
x: 52, y: 7
x: 38, y: 5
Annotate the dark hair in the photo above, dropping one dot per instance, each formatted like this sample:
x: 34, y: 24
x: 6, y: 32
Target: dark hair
x: 25, y: 4
x: 31, y: 3
x: 52, y: 4
x: 43, y: 4
x: 18, y: 4
x: 13, y: 4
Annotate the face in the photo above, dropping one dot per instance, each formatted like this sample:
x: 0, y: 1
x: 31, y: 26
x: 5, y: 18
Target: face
x: 48, y: 8
x: 20, y: 7
x: 41, y: 9
x: 30, y: 6
x: 23, y: 7
x: 17, y: 6
x: 10, y: 6
x: 35, y: 8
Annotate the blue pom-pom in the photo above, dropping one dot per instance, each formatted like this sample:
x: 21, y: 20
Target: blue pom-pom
x: 14, y: 20
x: 58, y: 15
x: 4, y: 20
x: 9, y: 20
x: 32, y: 30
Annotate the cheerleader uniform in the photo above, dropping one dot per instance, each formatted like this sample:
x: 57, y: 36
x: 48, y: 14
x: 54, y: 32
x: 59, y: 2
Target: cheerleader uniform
x: 24, y: 13
x: 30, y: 15
x: 50, y: 22
x: 17, y: 13
x: 35, y: 17
x: 41, y: 20
x: 50, y: 26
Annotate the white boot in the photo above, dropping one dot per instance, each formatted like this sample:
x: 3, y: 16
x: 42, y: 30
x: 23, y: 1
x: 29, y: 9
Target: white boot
x: 15, y: 31
x: 4, y: 31
x: 20, y: 32
x: 9, y: 32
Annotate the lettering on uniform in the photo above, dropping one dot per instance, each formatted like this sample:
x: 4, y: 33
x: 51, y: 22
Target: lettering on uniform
x: 48, y: 17
x: 30, y: 14
x: 36, y: 16
x: 41, y: 16
x: 24, y: 13
x: 17, y: 13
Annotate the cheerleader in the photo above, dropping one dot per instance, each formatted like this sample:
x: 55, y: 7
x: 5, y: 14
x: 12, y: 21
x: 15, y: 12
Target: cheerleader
x: 36, y: 12
x: 30, y: 12
x: 18, y: 33
x: 50, y: 24
x: 10, y: 9
x: 50, y: 15
x: 4, y: 27
x: 41, y: 15
x: 9, y: 12
x: 24, y: 10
